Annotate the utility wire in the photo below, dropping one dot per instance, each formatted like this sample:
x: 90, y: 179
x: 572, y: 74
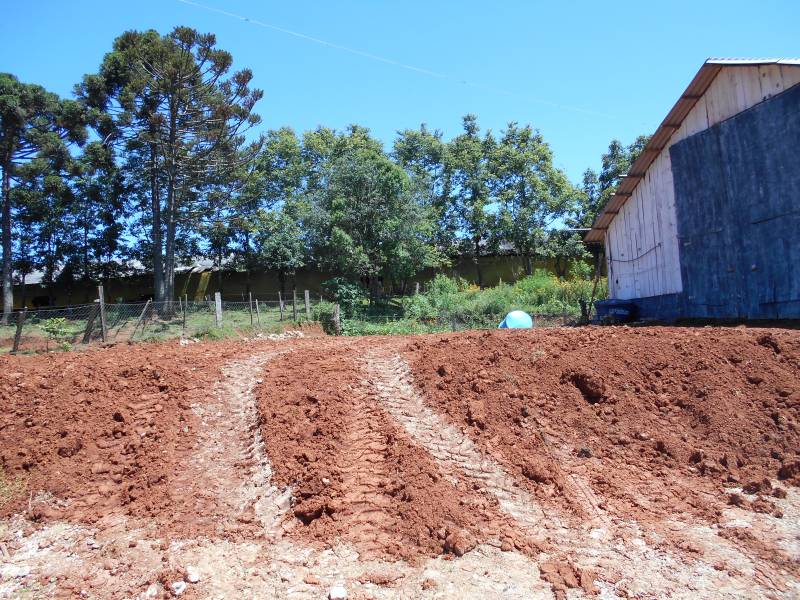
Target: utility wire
x: 394, y: 63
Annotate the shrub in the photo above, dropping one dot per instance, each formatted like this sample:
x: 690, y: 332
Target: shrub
x: 57, y: 330
x: 347, y: 294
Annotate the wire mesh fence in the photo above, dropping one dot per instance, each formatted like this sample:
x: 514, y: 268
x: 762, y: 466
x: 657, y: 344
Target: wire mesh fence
x: 72, y: 327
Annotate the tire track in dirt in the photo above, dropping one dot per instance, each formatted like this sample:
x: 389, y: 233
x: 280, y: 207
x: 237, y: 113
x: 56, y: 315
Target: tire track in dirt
x: 617, y: 547
x: 229, y: 476
x: 453, y: 451
x: 362, y: 465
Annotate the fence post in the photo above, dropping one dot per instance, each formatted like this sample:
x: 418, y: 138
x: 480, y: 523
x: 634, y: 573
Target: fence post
x: 416, y: 288
x: 140, y: 319
x: 18, y: 335
x: 218, y: 308
x: 87, y: 334
x: 103, y: 328
x: 307, y: 299
x: 185, y: 302
x: 337, y: 321
x: 294, y: 305
x: 258, y: 314
x: 250, y: 299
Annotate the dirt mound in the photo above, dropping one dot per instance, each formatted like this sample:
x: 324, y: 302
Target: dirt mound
x: 102, y: 430
x: 658, y: 421
x: 355, y: 474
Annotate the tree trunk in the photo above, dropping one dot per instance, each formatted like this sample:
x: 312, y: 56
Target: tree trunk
x: 172, y: 175
x: 158, y: 268
x: 247, y: 261
x: 24, y: 298
x: 477, y: 259
x: 527, y: 263
x: 8, y: 284
x: 282, y: 279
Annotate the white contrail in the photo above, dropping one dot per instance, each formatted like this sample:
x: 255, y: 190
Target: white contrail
x: 395, y: 63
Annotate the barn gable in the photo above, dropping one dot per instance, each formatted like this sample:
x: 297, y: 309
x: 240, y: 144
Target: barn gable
x: 641, y: 225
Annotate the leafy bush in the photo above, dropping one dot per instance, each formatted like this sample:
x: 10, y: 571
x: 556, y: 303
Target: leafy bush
x: 322, y: 312
x: 57, y: 330
x: 453, y: 304
x: 347, y: 294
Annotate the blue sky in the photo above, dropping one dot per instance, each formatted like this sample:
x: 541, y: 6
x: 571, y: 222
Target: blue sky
x: 581, y: 72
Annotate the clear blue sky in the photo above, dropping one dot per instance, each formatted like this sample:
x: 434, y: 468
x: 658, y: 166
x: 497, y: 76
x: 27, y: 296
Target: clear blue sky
x: 581, y: 72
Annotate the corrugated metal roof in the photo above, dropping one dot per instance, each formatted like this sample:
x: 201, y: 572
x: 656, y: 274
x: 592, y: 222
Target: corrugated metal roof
x: 662, y: 135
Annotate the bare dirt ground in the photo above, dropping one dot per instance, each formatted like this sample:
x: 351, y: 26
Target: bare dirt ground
x: 594, y: 462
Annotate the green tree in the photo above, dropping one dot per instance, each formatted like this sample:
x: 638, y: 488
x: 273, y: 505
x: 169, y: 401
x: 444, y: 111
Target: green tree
x: 281, y: 243
x: 531, y: 192
x: 424, y: 156
x: 470, y: 156
x: 598, y: 189
x: 364, y: 221
x: 36, y: 127
x: 173, y: 105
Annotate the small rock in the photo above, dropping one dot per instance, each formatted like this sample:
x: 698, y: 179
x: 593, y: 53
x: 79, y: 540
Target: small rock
x: 100, y: 468
x: 428, y: 584
x: 326, y: 481
x: 17, y: 571
x: 584, y: 453
x: 192, y: 575
x: 178, y: 587
x: 311, y: 579
x: 337, y: 592
x: 151, y: 591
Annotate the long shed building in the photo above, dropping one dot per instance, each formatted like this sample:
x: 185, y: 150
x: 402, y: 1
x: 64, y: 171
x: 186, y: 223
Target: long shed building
x: 706, y: 224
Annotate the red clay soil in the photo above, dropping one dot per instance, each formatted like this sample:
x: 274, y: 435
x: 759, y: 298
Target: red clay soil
x: 103, y: 430
x: 659, y: 421
x: 355, y: 474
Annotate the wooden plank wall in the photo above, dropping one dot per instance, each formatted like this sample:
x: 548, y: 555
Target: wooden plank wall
x: 642, y: 241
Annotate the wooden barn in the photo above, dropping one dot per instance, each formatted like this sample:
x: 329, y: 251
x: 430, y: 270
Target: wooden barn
x: 706, y: 224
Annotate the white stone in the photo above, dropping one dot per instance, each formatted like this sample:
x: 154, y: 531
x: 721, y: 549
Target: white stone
x: 192, y: 575
x: 18, y: 571
x: 151, y: 591
x: 178, y: 587
x: 337, y: 592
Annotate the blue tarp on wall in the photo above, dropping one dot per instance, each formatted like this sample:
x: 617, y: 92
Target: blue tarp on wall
x: 737, y: 201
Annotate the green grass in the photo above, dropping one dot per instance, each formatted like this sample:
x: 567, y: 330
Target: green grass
x: 200, y: 323
x: 453, y: 304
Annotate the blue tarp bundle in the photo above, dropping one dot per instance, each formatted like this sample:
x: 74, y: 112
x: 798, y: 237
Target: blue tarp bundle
x: 516, y: 319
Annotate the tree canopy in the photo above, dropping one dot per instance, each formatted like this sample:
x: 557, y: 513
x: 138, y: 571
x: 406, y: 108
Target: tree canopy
x: 155, y: 162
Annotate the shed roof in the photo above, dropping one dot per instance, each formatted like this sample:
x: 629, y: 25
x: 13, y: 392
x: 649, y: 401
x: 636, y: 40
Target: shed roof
x: 660, y: 139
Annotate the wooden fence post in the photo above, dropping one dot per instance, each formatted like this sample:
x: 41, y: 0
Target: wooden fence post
x: 307, y: 299
x: 18, y: 334
x: 140, y: 319
x: 416, y: 288
x: 280, y: 304
x: 294, y: 305
x: 258, y: 314
x: 218, y: 308
x: 87, y: 334
x: 337, y: 321
x: 103, y: 327
x: 250, y: 300
x: 185, y: 302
